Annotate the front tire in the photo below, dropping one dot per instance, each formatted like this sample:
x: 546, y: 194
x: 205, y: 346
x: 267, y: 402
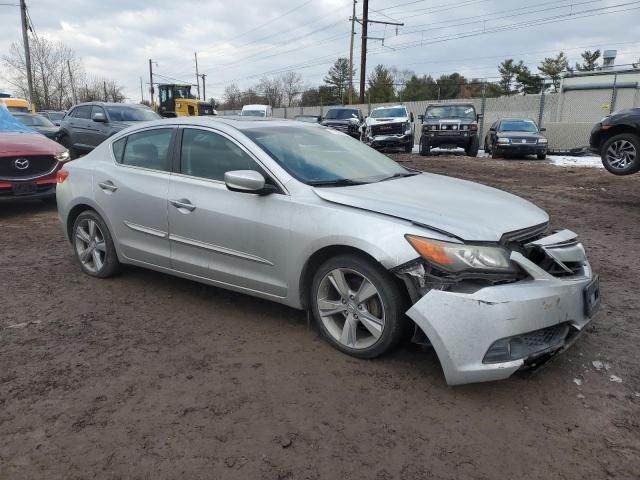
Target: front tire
x: 621, y: 154
x: 358, y: 306
x: 541, y: 156
x: 473, y: 148
x: 408, y: 148
x: 93, y: 246
x: 425, y: 148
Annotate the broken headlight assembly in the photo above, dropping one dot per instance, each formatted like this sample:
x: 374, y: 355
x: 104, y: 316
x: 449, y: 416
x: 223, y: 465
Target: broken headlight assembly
x: 461, y: 257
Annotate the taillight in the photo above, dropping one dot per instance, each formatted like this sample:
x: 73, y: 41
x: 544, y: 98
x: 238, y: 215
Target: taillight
x: 61, y: 176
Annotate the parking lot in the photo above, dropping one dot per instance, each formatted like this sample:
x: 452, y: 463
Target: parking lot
x: 150, y: 376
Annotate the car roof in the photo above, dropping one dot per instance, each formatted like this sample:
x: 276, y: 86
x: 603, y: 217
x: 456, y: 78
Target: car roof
x: 343, y: 107
x: 111, y: 104
x: 389, y: 106
x: 449, y: 104
x: 236, y: 122
x: 256, y: 106
x: 516, y: 119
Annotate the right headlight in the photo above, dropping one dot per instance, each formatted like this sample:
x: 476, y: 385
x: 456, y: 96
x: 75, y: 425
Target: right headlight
x: 460, y: 257
x: 504, y: 140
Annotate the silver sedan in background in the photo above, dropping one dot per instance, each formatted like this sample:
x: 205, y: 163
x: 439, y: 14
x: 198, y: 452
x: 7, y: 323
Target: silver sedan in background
x: 311, y: 218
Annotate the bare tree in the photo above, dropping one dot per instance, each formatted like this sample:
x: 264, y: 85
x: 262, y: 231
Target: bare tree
x: 291, y: 86
x: 272, y: 90
x: 57, y: 74
x: 232, y: 97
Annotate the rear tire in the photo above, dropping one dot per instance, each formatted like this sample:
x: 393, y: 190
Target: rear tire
x: 541, y: 156
x: 473, y: 148
x: 358, y: 306
x: 425, y: 148
x: 93, y: 246
x: 621, y: 154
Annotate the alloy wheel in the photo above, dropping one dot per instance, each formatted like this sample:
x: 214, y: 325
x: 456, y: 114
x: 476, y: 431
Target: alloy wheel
x: 621, y: 154
x: 350, y: 308
x: 90, y: 245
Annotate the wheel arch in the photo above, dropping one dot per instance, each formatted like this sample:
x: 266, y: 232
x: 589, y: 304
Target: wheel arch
x: 616, y: 130
x: 323, y: 254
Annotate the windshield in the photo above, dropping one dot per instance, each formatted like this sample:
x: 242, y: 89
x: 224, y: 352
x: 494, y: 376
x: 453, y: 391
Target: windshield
x: 341, y: 114
x: 466, y: 112
x: 253, y: 113
x: 35, y: 121
x: 18, y: 109
x: 518, y: 126
x: 320, y: 155
x: 130, y: 114
x: 389, y: 112
x: 55, y: 116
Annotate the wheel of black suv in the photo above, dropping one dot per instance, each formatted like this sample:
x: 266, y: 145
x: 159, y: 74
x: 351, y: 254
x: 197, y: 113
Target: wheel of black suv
x: 541, y: 156
x: 408, y: 148
x: 494, y: 153
x: 487, y: 150
x: 621, y: 154
x: 472, y: 149
x: 93, y: 246
x: 358, y: 306
x: 425, y: 148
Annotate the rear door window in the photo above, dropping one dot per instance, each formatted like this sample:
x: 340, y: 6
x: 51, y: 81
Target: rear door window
x: 148, y: 149
x: 82, y: 112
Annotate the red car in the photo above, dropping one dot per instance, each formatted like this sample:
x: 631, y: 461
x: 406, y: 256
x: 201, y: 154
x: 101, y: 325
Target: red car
x: 29, y: 163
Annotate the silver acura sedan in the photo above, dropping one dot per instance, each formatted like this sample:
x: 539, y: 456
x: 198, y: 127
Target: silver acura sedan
x: 309, y: 217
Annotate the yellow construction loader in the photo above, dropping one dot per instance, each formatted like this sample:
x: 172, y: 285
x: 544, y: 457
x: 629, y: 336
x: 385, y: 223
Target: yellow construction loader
x: 177, y: 101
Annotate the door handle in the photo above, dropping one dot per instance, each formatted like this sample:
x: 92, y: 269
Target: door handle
x: 108, y: 186
x: 184, y: 204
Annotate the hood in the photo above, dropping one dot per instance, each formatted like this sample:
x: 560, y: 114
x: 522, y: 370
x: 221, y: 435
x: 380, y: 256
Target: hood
x: 467, y: 210
x: 520, y: 134
x: 378, y: 121
x: 14, y: 143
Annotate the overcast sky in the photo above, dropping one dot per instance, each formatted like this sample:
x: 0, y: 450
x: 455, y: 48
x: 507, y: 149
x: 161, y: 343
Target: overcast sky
x: 239, y: 41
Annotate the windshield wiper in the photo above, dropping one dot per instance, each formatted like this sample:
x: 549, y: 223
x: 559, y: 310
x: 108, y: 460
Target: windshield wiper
x: 338, y: 182
x: 400, y: 175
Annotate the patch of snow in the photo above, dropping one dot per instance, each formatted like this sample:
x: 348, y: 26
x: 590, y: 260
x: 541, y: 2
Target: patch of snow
x: 577, y: 381
x: 588, y: 161
x: 614, y: 378
x: 597, y: 364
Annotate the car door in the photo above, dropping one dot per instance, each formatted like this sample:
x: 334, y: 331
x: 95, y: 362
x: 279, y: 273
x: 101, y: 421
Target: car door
x: 132, y: 190
x: 233, y: 238
x: 79, y: 126
x: 97, y: 131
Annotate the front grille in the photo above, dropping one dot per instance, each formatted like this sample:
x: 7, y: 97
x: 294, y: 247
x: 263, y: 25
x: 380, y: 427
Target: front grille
x: 523, y: 141
x: 388, y: 129
x: 549, y: 265
x: 546, y: 338
x: 32, y: 166
x: 339, y: 126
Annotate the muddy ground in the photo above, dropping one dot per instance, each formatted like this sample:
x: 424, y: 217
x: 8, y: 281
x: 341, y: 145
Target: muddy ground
x: 148, y: 376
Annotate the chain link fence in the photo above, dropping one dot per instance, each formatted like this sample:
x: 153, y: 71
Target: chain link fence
x: 568, y: 115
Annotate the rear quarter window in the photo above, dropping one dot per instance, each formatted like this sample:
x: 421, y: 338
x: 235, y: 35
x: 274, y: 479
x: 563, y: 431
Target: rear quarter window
x: 118, y: 148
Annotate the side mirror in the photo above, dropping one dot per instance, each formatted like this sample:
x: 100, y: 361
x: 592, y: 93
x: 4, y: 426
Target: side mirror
x: 479, y: 116
x: 543, y: 129
x: 247, y: 181
x: 411, y: 117
x: 99, y: 117
x: 492, y: 129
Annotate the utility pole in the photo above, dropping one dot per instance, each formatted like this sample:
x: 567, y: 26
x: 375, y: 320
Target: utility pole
x: 195, y: 54
x: 141, y: 92
x: 27, y: 54
x: 104, y: 85
x: 204, y: 89
x: 151, y: 79
x: 353, y: 33
x: 363, y: 53
x: 73, y: 87
x: 363, y: 58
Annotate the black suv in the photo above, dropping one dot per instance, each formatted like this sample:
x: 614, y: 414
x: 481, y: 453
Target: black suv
x: 616, y: 138
x: 450, y: 125
x: 86, y: 125
x: 348, y: 120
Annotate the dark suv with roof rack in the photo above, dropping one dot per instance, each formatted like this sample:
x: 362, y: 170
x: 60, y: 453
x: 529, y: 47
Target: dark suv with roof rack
x: 86, y: 125
x: 450, y: 125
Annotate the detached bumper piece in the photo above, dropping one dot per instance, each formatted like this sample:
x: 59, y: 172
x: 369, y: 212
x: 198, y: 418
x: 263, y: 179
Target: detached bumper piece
x: 484, y: 333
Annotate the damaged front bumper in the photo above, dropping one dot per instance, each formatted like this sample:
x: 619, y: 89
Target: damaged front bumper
x: 383, y: 141
x: 488, y: 333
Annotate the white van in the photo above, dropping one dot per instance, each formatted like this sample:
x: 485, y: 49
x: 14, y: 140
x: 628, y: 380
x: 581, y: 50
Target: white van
x: 256, y: 111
